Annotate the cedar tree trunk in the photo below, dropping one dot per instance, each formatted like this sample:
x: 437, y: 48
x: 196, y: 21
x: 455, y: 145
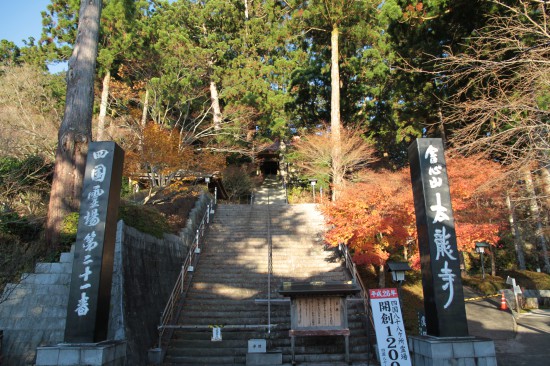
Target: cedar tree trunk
x: 337, y: 173
x: 518, y: 241
x: 103, y: 106
x: 75, y: 131
x: 216, y: 110
x: 535, y: 214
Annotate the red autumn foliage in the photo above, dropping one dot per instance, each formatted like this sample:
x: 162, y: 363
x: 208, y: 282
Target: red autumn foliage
x: 161, y: 152
x: 373, y: 217
x: 376, y: 217
x: 478, y: 202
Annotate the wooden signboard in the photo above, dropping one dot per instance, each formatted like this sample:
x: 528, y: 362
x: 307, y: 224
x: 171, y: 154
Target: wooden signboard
x: 318, y: 309
x: 318, y: 312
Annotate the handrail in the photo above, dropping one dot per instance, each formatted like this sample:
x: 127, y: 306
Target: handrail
x: 269, y: 264
x: 169, y: 315
x: 357, y: 280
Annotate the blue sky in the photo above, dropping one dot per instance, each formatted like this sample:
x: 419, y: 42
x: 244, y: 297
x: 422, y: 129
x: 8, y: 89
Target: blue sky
x: 21, y: 19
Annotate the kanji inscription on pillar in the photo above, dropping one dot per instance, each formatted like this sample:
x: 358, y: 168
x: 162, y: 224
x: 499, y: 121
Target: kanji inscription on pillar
x: 441, y: 281
x: 90, y: 291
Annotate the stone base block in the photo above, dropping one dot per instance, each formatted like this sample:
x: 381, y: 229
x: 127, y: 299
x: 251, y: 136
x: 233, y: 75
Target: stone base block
x: 108, y: 353
x: 156, y: 356
x: 264, y: 359
x: 462, y: 351
x: 531, y: 303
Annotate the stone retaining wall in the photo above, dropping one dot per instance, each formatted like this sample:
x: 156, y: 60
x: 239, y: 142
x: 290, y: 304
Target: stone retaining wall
x: 533, y: 299
x: 144, y: 274
x: 150, y: 269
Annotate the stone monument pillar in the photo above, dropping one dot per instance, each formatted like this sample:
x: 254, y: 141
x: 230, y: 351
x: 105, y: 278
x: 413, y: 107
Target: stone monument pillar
x: 446, y: 322
x: 90, y: 292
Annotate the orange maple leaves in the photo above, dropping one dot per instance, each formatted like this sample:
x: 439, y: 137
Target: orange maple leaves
x: 375, y: 218
x: 160, y: 151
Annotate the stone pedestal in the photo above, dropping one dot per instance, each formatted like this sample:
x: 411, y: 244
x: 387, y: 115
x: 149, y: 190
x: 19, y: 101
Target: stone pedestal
x: 460, y: 351
x: 107, y: 353
x: 155, y: 356
x: 264, y: 359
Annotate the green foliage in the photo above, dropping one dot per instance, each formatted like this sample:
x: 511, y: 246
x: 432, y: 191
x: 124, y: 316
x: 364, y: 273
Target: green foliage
x: 525, y: 279
x: 8, y: 165
x: 272, y: 69
x: 23, y: 191
x: 17, y: 257
x: 238, y: 183
x: 13, y: 224
x: 488, y: 286
x: 297, y: 194
x: 126, y: 188
x: 9, y: 223
x: 24, y: 187
x: 69, y: 229
x: 28, y: 172
x: 144, y: 218
x: 9, y: 52
x: 530, y: 279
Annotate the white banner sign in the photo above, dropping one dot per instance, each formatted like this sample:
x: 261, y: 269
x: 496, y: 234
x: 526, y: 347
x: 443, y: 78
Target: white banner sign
x: 390, y: 330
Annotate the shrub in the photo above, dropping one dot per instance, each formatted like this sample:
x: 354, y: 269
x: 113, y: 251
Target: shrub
x: 144, y: 218
x: 299, y: 195
x: 238, y: 183
x: 13, y: 224
x: 69, y: 229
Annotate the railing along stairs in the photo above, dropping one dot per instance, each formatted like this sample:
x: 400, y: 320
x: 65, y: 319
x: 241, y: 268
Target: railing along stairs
x: 352, y: 268
x: 171, y: 312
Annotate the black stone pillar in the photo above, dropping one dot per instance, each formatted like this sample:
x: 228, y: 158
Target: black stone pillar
x: 439, y: 257
x: 90, y: 292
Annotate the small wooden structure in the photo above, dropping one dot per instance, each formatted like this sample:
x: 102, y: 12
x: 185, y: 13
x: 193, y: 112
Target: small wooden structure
x: 318, y: 309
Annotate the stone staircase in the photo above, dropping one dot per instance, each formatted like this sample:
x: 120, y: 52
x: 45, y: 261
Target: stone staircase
x: 35, y: 310
x: 229, y: 289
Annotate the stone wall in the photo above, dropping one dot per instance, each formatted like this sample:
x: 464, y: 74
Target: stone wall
x: 150, y: 269
x: 33, y: 312
x: 144, y: 274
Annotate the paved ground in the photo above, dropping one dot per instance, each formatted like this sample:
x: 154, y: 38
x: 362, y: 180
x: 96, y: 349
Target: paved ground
x: 518, y: 342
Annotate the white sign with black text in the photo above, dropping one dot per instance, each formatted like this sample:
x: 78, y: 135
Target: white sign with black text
x: 393, y: 349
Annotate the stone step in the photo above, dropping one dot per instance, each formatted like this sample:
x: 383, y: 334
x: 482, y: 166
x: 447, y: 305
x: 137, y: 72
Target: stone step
x: 251, y: 310
x: 255, y: 219
x: 46, y: 278
x: 232, y: 273
x: 279, y: 251
x: 66, y: 257
x: 308, y: 349
x: 22, y: 290
x: 220, y: 245
x: 247, y: 264
x: 50, y: 268
x: 205, y: 360
x: 248, y: 279
x: 279, y: 304
x: 333, y: 345
x: 205, y: 319
x: 282, y: 236
x: 296, y: 275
